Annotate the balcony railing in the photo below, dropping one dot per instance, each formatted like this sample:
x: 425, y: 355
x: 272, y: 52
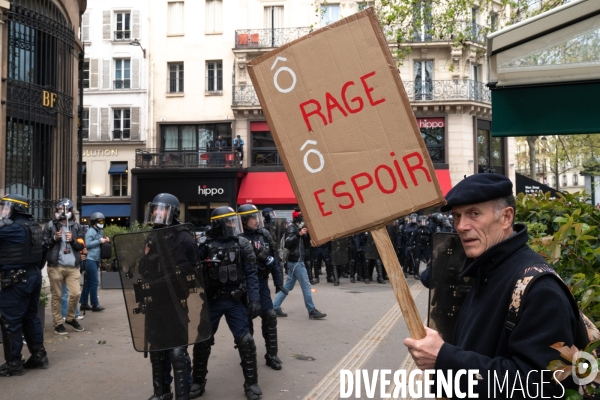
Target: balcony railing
x: 122, y: 84
x: 201, y: 158
x: 460, y: 89
x: 122, y: 36
x: 469, y: 32
x: 267, y: 38
x: 265, y: 156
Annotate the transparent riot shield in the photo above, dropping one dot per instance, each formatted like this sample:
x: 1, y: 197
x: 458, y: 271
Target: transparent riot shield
x: 163, y: 288
x: 371, y: 252
x: 447, y: 292
x: 340, y: 251
x: 277, y: 231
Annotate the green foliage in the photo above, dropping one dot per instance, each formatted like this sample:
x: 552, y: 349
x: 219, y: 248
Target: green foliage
x: 565, y: 232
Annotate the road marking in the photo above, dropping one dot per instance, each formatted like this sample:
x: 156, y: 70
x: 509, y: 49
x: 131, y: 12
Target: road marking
x: 328, y: 388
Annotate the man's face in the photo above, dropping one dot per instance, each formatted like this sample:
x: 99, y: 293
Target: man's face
x: 253, y: 222
x: 478, y: 227
x: 159, y: 215
x: 5, y: 208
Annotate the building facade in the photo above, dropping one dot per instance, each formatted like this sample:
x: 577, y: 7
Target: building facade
x: 215, y: 98
x: 115, y: 106
x: 40, y: 51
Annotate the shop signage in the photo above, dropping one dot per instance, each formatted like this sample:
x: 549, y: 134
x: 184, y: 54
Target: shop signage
x: 100, y: 153
x: 431, y: 122
x: 207, y: 191
x: 48, y: 99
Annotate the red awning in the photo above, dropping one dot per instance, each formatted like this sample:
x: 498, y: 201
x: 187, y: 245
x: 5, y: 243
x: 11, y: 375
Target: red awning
x: 443, y: 176
x: 266, y: 188
x: 259, y: 126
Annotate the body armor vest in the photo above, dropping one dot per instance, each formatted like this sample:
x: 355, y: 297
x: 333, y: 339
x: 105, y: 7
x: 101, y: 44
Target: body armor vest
x: 262, y: 250
x: 423, y: 236
x: 229, y: 270
x: 29, y: 252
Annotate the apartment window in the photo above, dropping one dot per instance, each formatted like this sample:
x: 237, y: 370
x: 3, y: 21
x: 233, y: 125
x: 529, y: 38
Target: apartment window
x: 214, y: 76
x: 565, y: 183
x: 194, y: 137
x: 493, y: 22
x: 214, y: 16
x: 118, y: 172
x: 423, y: 74
x: 273, y: 17
x: 175, y: 80
x: 422, y: 21
x: 121, y: 123
x: 575, y: 179
x: 330, y: 13
x: 123, y: 26
x: 83, y: 179
x: 122, y: 73
x: 85, y: 123
x: 175, y: 18
x: 86, y: 74
x: 553, y: 181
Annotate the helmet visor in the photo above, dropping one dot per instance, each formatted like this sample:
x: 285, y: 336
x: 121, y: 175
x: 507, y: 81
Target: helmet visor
x: 253, y: 220
x: 6, y: 207
x: 159, y: 214
x: 231, y: 226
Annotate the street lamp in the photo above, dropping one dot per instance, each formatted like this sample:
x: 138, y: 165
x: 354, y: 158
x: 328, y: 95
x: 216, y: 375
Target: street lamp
x: 136, y: 42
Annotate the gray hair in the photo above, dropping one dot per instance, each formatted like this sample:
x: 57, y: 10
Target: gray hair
x: 503, y: 202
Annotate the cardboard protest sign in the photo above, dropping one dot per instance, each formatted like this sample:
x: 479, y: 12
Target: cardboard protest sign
x: 344, y: 128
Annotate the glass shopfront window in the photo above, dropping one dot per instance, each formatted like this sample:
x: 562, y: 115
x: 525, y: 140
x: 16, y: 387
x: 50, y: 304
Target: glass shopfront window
x: 433, y: 132
x: 490, y: 150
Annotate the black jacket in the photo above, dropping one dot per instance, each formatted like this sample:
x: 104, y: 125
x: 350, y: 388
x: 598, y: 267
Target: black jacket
x: 481, y: 339
x: 294, y: 243
x: 54, y: 246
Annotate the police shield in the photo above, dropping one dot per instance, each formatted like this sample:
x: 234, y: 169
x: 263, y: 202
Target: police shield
x: 340, y: 251
x: 371, y: 252
x: 447, y: 291
x: 277, y: 231
x: 163, y: 289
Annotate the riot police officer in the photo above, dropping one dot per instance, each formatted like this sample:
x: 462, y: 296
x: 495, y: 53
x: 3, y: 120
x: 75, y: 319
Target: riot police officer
x: 21, y: 240
x: 162, y: 212
x: 360, y: 242
x: 229, y: 270
x: 409, y: 260
x: 372, y: 260
x: 322, y: 254
x: 447, y: 225
x: 420, y: 241
x: 261, y: 241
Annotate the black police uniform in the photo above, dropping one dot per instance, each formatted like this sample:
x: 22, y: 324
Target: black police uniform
x: 360, y: 242
x: 323, y: 253
x: 409, y: 259
x: 227, y: 282
x: 263, y: 244
x: 421, y: 241
x: 372, y: 260
x: 21, y: 248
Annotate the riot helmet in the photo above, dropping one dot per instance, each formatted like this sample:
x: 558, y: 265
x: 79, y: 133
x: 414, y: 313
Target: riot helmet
x: 64, y: 209
x: 422, y: 220
x: 268, y: 215
x: 162, y: 211
x: 225, y: 221
x: 413, y: 218
x: 97, y: 219
x: 447, y: 222
x: 12, y: 204
x: 251, y: 217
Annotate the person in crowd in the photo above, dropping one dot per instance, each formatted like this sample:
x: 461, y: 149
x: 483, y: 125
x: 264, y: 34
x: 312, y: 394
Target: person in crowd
x: 94, y: 238
x: 21, y: 260
x: 63, y: 237
x: 238, y: 146
x: 296, y: 268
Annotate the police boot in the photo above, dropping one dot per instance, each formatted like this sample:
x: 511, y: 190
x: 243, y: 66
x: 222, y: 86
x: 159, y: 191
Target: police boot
x: 352, y: 271
x: 38, y: 358
x: 366, y: 277
x: 200, y: 363
x: 12, y: 368
x: 180, y: 373
x: 311, y: 277
x: 359, y: 270
x: 329, y: 272
x: 247, y: 350
x: 379, y: 268
x: 161, y: 392
x: 336, y: 277
x: 269, y: 328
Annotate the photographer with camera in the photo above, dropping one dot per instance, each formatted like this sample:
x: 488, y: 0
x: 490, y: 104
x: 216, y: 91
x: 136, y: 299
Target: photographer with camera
x: 61, y: 238
x: 21, y: 259
x: 94, y: 238
x: 296, y: 269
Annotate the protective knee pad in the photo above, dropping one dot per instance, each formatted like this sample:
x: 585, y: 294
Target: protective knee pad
x: 271, y: 319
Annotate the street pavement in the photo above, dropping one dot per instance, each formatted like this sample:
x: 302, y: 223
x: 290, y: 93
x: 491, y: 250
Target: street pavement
x: 364, y: 329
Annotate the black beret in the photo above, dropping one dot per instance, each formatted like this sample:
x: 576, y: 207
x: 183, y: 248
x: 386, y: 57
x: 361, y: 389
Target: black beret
x: 478, y: 188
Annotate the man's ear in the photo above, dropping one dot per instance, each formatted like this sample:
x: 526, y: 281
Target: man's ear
x: 508, y: 216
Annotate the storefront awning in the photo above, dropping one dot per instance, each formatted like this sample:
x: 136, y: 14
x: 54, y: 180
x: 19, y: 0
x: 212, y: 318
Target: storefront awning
x: 118, y: 169
x: 266, y: 188
x: 541, y: 68
x: 443, y: 177
x: 109, y: 210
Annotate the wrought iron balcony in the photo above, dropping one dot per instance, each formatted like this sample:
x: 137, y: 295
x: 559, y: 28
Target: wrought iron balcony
x: 244, y: 96
x: 417, y: 91
x: 468, y: 32
x: 122, y: 36
x: 267, y: 38
x: 204, y: 157
x: 122, y: 84
x: 459, y: 89
x: 265, y: 156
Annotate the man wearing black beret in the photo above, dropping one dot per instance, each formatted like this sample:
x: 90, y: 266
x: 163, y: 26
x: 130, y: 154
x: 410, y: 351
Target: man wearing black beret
x: 486, y: 338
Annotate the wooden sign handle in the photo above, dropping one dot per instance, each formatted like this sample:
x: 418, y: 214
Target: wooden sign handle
x: 398, y: 281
